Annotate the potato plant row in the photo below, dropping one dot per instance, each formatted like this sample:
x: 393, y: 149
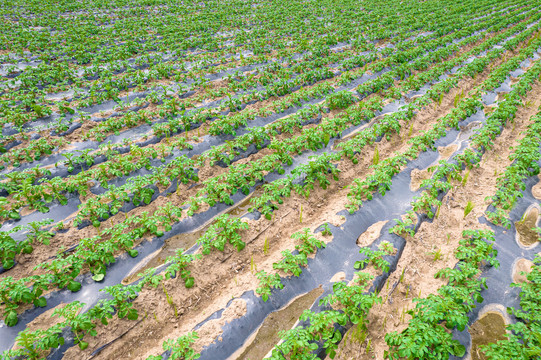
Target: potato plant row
x: 171, y: 107
x: 57, y: 190
x: 175, y: 108
x: 465, y: 284
x: 426, y: 335
x: 463, y: 289
x: 505, y: 111
x: 150, y: 67
x: 225, y: 99
x: 522, y: 340
x: 103, y: 255
x: 526, y: 158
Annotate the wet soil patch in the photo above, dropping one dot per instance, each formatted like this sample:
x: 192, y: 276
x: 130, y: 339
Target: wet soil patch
x: 284, y: 319
x: 488, y: 329
x: 521, y: 266
x: 525, y: 235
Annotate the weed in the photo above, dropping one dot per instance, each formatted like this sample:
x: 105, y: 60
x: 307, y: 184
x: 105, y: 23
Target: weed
x: 436, y: 255
x: 375, y: 159
x: 266, y: 246
x: 465, y: 178
x: 253, y: 266
x: 469, y: 207
x: 170, y: 300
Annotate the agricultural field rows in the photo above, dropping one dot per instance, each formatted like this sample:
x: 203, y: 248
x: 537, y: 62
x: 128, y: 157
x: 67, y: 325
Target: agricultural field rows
x: 270, y: 180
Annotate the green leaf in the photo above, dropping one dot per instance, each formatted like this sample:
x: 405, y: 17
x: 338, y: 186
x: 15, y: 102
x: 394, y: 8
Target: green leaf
x: 74, y: 286
x: 241, y: 245
x: 8, y: 264
x: 459, y: 350
x: 132, y: 314
x: 28, y: 249
x: 332, y: 353
x: 11, y: 319
x: 189, y: 282
x: 326, y: 139
x: 98, y: 277
x: 40, y: 302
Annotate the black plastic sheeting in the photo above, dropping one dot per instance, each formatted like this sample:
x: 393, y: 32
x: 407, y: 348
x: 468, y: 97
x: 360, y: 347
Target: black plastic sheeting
x: 319, y: 271
x: 499, y: 294
x: 338, y: 256
x: 89, y: 294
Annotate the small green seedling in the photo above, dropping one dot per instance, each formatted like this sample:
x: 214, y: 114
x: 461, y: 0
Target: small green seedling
x: 266, y: 246
x: 410, y: 131
x: 465, y: 178
x: 436, y: 255
x: 375, y: 159
x: 468, y: 208
x: 253, y: 266
x: 326, y: 230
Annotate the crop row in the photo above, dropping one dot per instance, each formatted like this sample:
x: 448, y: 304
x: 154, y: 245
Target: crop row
x: 99, y: 253
x: 63, y: 75
x: 429, y: 201
x: 172, y: 107
x: 511, y: 182
x: 133, y: 118
x: 522, y: 340
x: 460, y: 295
x: 337, y: 59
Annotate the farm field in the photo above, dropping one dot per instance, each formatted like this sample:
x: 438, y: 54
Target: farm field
x: 284, y: 180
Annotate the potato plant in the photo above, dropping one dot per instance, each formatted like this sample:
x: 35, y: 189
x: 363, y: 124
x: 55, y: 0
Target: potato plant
x: 225, y: 230
x: 426, y: 335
